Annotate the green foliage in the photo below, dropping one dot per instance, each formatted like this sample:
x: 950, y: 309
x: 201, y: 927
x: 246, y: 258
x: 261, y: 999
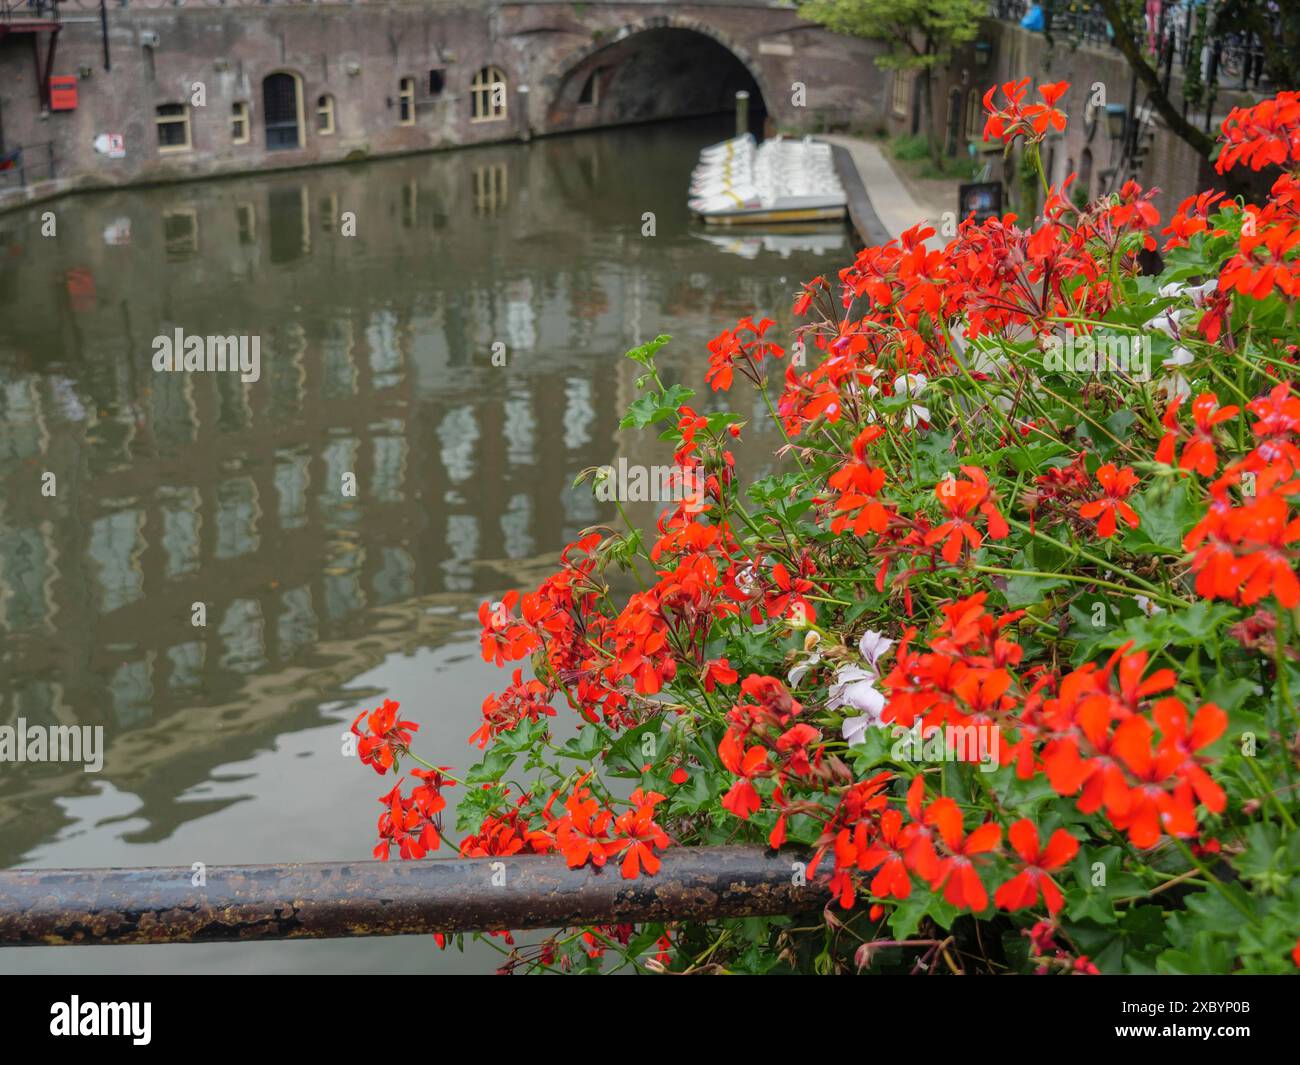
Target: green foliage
x: 921, y: 33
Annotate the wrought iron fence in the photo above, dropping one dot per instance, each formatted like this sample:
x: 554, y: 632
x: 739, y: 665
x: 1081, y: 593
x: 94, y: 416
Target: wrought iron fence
x: 21, y: 166
x: 12, y: 11
x: 1166, y: 29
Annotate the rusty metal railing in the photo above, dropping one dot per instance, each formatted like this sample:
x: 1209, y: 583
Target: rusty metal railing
x: 327, y: 900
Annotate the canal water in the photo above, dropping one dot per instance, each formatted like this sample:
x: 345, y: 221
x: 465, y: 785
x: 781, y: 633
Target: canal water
x: 460, y: 354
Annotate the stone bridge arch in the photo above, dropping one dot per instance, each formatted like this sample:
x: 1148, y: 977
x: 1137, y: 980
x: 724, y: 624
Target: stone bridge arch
x: 659, y: 66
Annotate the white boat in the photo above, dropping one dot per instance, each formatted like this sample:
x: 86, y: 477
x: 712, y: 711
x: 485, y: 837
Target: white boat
x: 738, y: 182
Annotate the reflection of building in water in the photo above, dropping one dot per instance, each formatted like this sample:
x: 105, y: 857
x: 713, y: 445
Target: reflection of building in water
x: 180, y: 488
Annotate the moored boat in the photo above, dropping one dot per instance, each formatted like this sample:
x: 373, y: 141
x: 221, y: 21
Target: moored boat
x: 737, y: 182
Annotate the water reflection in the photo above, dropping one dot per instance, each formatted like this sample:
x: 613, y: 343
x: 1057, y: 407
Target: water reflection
x: 377, y: 363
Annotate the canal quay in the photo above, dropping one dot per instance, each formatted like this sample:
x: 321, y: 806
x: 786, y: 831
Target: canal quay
x: 438, y: 227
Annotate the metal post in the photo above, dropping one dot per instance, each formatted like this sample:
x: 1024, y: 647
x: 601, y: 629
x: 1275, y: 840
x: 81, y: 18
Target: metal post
x: 103, y: 32
x: 324, y: 900
x: 742, y: 113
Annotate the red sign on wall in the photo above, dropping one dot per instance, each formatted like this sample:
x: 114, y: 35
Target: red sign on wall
x: 63, y: 92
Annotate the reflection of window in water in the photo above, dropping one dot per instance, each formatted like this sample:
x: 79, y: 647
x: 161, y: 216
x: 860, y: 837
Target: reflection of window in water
x: 289, y: 225
x: 116, y: 541
x: 515, y: 523
x: 237, y: 516
x: 180, y: 233
x: 389, y: 468
x: 336, y: 508
x: 394, y: 581
x: 579, y: 413
x: 186, y: 661
x: 459, y: 434
x: 241, y: 637
x: 297, y: 626
x: 328, y: 212
x: 490, y: 189
x: 34, y: 701
x: 462, y: 549
x: 519, y: 427
x: 131, y: 692
x: 292, y: 477
x: 288, y: 373
x: 180, y: 535
x: 579, y: 504
x: 339, y: 377
x: 22, y: 430
x: 24, y: 573
x: 385, y: 352
x: 589, y: 168
x: 175, y: 417
x: 410, y: 204
x: 342, y: 582
x: 521, y: 330
x: 246, y: 223
x: 233, y: 411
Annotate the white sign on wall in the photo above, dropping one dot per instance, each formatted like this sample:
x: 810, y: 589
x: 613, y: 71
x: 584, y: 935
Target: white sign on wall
x: 111, y: 144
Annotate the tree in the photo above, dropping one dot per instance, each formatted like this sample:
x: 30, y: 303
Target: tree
x: 1279, y: 42
x: 1122, y: 16
x: 921, y: 34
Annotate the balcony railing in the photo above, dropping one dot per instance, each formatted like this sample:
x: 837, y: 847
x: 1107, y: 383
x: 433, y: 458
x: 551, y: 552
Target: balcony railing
x: 22, y: 165
x: 14, y: 13
x: 1229, y: 59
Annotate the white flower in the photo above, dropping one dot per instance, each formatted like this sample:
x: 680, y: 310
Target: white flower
x: 873, y: 645
x: 854, y: 687
x: 1147, y: 606
x: 911, y: 385
x: 854, y: 729
x: 811, y: 657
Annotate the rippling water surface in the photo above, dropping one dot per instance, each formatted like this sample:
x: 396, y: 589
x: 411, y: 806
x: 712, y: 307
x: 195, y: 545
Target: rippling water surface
x: 223, y: 742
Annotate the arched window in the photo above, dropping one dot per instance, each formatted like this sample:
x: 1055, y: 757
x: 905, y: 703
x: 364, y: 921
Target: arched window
x: 239, y: 132
x: 173, y: 122
x: 901, y: 91
x: 590, y: 89
x: 325, y: 115
x: 487, y: 95
x: 406, y: 102
x: 437, y: 81
x: 282, y: 111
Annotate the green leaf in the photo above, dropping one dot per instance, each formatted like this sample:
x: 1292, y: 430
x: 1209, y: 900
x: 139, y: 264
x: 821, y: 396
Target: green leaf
x: 1166, y: 515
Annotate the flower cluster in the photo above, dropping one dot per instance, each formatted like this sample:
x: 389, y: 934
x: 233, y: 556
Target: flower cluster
x: 995, y: 637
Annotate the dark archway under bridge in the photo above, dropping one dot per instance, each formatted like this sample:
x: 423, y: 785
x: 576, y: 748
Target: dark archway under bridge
x: 646, y: 74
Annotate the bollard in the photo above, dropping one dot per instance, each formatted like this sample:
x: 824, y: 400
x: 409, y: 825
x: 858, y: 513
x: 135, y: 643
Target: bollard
x: 742, y: 113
